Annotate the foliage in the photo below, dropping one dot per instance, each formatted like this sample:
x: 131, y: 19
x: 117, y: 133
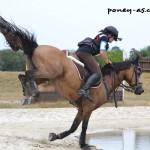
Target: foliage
x: 144, y: 52
x: 11, y: 61
x: 71, y: 51
x: 114, y: 55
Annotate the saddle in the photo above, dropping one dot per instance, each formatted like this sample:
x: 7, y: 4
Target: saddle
x: 83, y: 73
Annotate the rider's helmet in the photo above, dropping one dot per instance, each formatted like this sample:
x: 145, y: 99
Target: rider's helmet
x: 113, y: 31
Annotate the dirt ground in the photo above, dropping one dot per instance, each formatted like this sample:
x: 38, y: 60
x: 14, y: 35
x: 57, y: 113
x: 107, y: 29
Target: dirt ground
x: 28, y: 129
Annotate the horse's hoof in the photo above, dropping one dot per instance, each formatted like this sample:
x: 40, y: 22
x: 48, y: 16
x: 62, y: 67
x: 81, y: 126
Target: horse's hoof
x: 84, y: 146
x: 28, y: 101
x: 88, y: 147
x: 31, y: 100
x: 24, y: 102
x: 52, y: 137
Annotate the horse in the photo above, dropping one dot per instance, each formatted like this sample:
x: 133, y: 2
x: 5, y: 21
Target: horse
x: 49, y: 63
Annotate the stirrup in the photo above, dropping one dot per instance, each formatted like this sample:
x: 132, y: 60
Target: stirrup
x: 85, y: 94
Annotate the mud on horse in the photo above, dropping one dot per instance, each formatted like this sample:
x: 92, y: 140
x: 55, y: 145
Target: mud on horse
x: 49, y: 63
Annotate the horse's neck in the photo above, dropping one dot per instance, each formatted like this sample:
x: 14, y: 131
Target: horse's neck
x: 113, y: 81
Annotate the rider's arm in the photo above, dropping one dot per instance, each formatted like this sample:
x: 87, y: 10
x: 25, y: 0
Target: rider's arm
x: 103, y: 49
x: 104, y: 56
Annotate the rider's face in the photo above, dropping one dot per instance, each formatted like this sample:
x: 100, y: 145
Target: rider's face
x: 111, y: 38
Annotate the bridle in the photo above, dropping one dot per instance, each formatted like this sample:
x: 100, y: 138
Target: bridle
x: 130, y: 88
x: 137, y: 85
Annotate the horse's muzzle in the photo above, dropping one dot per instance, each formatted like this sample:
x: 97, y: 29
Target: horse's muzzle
x: 138, y: 90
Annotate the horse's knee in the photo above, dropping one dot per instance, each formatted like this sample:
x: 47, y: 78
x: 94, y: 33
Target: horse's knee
x: 22, y: 78
x: 30, y: 74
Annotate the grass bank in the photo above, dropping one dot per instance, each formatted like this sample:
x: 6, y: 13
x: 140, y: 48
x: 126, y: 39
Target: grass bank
x: 11, y: 94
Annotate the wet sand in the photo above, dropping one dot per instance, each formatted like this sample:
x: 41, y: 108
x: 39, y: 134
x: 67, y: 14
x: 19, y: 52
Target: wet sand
x: 28, y: 129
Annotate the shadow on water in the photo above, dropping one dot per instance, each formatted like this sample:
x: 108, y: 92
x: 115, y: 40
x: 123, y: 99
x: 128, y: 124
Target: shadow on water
x: 125, y: 139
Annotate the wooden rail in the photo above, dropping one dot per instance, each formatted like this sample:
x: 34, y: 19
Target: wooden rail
x: 145, y: 64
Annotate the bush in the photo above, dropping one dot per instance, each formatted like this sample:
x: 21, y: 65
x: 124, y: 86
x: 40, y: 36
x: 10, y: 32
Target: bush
x: 11, y: 61
x: 114, y: 55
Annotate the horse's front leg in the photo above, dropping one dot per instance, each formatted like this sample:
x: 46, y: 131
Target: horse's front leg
x: 23, y: 81
x: 30, y: 90
x: 86, y: 116
x: 26, y: 90
x: 30, y: 74
x: 75, y: 124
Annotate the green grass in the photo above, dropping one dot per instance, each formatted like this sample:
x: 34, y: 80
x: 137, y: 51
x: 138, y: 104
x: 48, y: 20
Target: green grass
x: 11, y: 94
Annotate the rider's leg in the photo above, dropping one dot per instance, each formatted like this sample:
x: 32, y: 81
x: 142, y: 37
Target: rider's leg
x: 92, y: 65
x: 84, y: 91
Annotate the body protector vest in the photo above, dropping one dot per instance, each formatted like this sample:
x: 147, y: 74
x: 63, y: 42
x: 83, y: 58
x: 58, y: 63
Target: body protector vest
x: 93, y: 43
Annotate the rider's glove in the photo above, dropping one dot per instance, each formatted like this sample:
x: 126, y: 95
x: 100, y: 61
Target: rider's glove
x: 111, y: 66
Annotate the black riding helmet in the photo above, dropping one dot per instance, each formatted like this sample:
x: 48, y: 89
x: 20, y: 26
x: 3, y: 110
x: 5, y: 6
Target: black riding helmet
x: 113, y: 31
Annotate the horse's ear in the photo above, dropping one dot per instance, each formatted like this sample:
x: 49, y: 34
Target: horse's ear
x: 136, y: 61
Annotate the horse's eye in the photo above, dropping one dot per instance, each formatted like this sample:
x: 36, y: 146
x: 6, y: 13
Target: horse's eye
x: 139, y: 71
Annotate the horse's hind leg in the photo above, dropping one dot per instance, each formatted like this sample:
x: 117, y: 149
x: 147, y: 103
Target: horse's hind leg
x: 75, y: 124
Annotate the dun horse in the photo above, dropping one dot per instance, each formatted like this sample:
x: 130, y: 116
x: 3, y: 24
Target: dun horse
x: 48, y: 62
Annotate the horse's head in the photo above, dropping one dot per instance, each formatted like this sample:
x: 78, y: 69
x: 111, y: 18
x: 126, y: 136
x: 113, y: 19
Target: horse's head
x: 11, y: 34
x: 14, y: 42
x: 132, y: 77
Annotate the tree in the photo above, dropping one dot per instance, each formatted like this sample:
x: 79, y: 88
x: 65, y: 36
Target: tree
x: 114, y: 55
x: 11, y: 61
x: 144, y: 52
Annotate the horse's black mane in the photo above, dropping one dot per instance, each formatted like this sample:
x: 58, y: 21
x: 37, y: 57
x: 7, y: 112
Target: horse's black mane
x: 118, y: 66
x: 28, y: 40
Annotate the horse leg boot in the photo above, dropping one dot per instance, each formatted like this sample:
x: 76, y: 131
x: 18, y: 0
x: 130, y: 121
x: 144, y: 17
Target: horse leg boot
x: 23, y: 81
x: 84, y: 91
x: 26, y: 89
x: 32, y: 83
x: 34, y: 88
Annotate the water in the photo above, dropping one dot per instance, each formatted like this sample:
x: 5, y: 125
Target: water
x: 128, y: 139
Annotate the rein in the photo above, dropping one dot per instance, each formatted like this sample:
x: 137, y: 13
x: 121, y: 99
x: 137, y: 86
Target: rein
x: 127, y: 88
x: 114, y: 91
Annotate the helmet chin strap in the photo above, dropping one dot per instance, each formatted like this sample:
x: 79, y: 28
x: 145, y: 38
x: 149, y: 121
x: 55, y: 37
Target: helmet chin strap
x: 119, y: 39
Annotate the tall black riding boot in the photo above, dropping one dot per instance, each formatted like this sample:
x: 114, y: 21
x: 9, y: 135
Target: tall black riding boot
x: 84, y: 91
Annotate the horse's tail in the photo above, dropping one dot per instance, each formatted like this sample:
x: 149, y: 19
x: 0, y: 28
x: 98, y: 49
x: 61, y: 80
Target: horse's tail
x: 18, y: 38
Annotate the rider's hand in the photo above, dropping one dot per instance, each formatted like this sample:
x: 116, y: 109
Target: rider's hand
x: 111, y: 66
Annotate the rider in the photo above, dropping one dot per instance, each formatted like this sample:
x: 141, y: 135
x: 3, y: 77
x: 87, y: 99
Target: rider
x: 90, y: 47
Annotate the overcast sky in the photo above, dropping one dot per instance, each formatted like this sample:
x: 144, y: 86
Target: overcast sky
x: 63, y: 23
